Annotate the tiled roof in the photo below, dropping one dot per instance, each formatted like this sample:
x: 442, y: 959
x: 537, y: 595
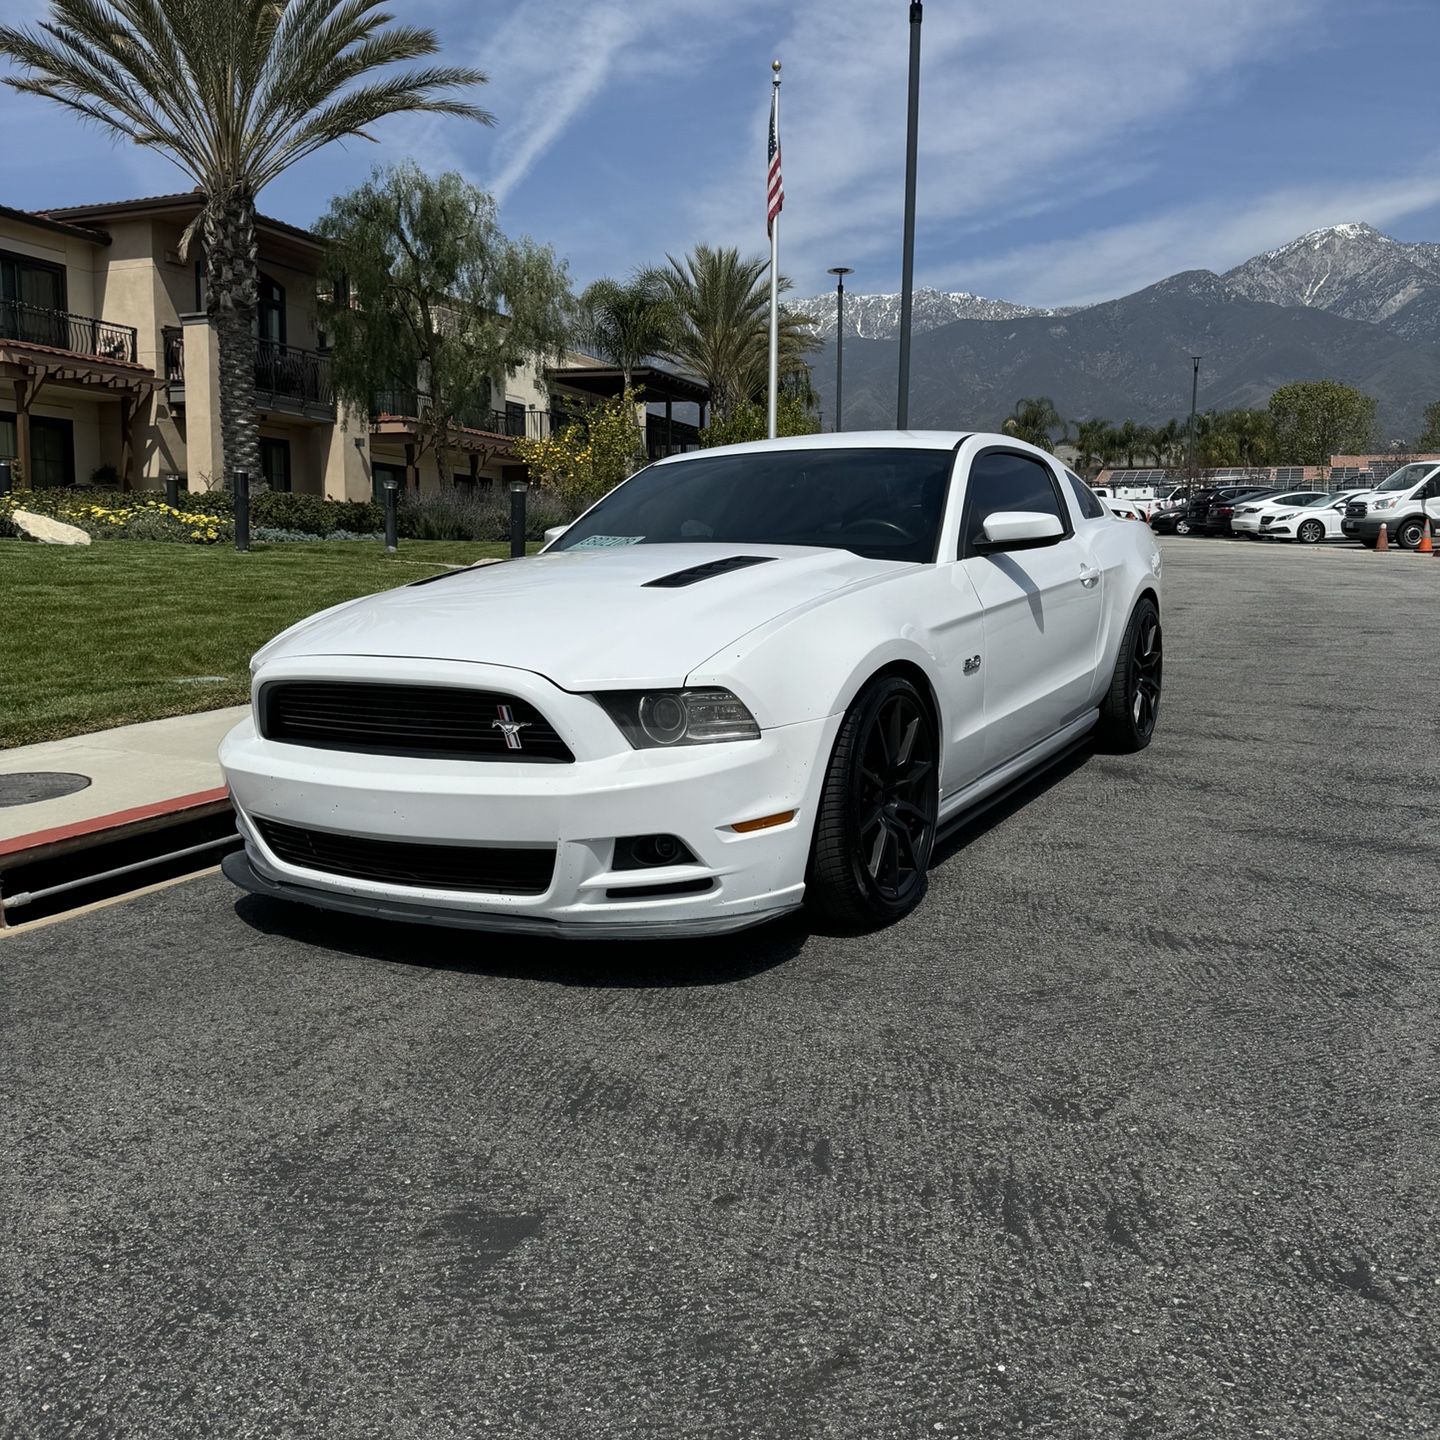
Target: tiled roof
x: 48, y: 222
x: 144, y: 203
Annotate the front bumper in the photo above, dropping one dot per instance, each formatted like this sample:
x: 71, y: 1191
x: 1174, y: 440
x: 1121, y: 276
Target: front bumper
x: 1367, y: 527
x: 696, y: 793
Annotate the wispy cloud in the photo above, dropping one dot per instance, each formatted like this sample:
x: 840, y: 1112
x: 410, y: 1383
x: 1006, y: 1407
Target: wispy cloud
x: 1213, y: 235
x: 1006, y: 127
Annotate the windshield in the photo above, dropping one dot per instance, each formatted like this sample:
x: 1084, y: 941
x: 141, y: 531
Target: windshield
x: 1406, y: 476
x: 883, y: 504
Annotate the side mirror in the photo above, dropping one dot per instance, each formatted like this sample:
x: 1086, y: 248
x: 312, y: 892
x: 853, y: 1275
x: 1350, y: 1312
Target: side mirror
x: 554, y: 533
x: 1014, y: 529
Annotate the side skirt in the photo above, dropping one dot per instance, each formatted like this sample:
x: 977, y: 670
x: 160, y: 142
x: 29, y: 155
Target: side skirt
x: 1004, y: 780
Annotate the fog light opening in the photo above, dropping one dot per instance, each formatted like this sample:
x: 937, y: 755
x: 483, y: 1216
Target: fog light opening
x: 765, y: 822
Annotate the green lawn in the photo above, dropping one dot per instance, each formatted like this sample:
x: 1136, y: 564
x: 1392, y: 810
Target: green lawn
x: 117, y: 632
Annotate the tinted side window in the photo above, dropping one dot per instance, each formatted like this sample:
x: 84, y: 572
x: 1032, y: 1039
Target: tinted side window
x: 1091, y: 506
x: 1002, y: 481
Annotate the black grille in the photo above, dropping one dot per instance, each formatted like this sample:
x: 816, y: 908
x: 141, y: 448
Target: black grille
x: 1356, y: 510
x: 416, y: 720
x: 398, y: 862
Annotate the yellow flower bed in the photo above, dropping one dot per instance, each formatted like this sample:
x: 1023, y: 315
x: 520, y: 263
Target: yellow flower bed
x: 195, y: 528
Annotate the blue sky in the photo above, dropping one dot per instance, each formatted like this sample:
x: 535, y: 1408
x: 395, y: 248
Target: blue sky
x: 1071, y: 150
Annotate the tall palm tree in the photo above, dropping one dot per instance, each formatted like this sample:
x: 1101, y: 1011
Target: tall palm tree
x: 234, y: 92
x: 1090, y: 441
x: 1165, y: 440
x: 1034, y: 420
x: 625, y: 322
x: 722, y: 308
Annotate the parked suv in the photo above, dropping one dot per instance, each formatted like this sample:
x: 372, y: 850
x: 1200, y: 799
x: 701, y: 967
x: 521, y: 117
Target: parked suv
x: 1401, y: 502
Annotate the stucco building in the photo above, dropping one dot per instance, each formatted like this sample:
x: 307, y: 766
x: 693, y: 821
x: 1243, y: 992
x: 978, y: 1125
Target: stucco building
x: 109, y: 368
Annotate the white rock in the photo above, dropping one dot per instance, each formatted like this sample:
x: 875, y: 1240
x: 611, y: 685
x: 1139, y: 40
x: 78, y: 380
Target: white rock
x: 46, y: 530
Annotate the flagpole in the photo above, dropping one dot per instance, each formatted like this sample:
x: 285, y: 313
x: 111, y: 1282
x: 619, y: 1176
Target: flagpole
x: 772, y: 389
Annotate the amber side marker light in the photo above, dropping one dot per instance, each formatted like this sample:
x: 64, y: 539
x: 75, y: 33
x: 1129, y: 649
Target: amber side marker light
x: 744, y: 827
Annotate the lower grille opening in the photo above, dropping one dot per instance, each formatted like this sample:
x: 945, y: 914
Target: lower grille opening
x: 655, y: 892
x: 487, y: 868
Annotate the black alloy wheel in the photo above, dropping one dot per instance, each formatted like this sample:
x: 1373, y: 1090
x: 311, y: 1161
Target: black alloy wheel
x: 876, y: 828
x: 1132, y: 705
x: 1311, y: 532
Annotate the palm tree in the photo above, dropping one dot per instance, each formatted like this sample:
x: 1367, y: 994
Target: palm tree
x: 1165, y: 441
x: 1090, y: 441
x: 1128, y: 439
x: 1033, y: 420
x: 722, y: 310
x: 234, y: 92
x: 625, y: 322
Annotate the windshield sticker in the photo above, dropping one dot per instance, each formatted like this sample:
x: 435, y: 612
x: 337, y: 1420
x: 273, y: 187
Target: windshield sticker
x: 603, y: 542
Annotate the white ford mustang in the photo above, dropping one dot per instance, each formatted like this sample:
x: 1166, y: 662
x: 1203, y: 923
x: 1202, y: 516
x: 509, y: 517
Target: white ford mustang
x: 747, y: 679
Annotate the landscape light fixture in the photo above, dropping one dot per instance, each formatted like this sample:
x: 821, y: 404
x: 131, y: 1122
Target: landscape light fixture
x: 839, y: 272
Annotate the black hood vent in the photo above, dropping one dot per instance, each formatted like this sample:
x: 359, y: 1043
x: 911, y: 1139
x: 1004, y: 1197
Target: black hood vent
x: 697, y: 573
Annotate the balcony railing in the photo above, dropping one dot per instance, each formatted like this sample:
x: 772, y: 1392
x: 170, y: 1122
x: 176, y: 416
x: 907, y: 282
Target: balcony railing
x: 412, y: 404
x: 80, y: 334
x: 284, y: 373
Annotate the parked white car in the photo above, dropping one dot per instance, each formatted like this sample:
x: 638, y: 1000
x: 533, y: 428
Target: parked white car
x: 748, y: 677
x: 1309, y: 524
x: 1249, y: 515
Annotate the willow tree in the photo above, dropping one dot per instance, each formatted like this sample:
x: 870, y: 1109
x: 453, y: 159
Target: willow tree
x: 234, y: 92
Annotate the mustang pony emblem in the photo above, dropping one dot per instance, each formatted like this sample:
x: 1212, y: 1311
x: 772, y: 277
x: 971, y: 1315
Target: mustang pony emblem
x: 509, y: 727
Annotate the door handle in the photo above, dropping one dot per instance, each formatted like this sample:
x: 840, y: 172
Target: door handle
x: 1089, y: 576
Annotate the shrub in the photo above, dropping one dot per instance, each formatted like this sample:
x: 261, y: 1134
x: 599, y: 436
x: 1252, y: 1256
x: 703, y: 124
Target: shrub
x: 482, y: 515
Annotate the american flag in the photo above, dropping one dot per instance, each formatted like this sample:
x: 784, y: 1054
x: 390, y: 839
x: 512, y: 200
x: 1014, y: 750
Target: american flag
x: 775, y: 196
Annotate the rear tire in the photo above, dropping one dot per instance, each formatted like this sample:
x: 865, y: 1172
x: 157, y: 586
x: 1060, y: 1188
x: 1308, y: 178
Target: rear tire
x: 1311, y: 532
x: 875, y: 830
x: 1132, y: 704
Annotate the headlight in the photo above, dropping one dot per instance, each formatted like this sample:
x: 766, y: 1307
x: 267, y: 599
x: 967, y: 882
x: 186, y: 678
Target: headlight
x: 1275, y: 519
x: 656, y: 719
x: 1381, y: 504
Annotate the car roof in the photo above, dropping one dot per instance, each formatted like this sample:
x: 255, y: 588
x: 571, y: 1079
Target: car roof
x: 854, y: 440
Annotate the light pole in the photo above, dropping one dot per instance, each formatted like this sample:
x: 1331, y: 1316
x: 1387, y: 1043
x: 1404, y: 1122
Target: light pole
x: 839, y: 272
x: 907, y: 261
x: 1190, y: 435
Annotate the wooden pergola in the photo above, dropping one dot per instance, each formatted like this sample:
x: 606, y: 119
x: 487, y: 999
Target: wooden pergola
x: 33, y: 367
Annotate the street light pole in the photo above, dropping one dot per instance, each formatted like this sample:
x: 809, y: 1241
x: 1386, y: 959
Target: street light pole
x: 907, y: 262
x: 1190, y: 439
x: 839, y: 272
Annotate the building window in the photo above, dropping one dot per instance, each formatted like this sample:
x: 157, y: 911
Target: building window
x: 379, y: 474
x: 32, y: 301
x: 464, y: 482
x: 270, y: 314
x: 52, y: 450
x: 275, y: 464
x: 514, y: 417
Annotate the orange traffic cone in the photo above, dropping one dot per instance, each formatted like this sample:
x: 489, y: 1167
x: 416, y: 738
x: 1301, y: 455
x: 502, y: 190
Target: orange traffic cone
x: 1382, y: 541
x: 1426, y: 545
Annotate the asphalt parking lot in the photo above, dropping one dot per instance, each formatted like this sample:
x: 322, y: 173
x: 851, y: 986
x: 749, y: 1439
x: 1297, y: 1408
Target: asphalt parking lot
x: 1130, y: 1131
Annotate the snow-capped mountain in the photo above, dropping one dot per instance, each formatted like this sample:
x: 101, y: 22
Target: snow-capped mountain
x: 877, y: 317
x: 1351, y: 270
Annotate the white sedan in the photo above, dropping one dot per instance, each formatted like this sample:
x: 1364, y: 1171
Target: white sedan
x: 748, y: 678
x: 1250, y: 516
x: 1309, y: 524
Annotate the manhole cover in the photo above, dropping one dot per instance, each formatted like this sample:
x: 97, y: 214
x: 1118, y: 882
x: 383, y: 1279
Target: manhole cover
x: 30, y: 786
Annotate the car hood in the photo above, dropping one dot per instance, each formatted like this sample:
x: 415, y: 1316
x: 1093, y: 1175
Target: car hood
x: 586, y: 619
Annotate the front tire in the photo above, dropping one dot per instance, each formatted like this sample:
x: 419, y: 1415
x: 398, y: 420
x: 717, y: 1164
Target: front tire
x: 876, y: 827
x: 1132, y: 704
x: 1409, y: 533
x: 1311, y: 532
x: 1182, y: 527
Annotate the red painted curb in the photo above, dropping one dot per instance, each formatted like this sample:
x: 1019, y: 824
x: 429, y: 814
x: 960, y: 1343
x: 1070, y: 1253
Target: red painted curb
x: 121, y: 818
